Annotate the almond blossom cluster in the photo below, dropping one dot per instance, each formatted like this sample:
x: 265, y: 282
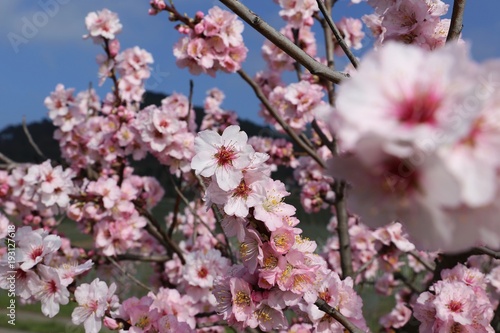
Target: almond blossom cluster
x: 415, y: 22
x: 277, y: 261
x: 295, y: 104
x: 45, y: 266
x: 213, y: 42
x: 413, y: 140
x: 458, y: 302
x: 298, y: 13
x: 280, y: 151
x: 416, y: 141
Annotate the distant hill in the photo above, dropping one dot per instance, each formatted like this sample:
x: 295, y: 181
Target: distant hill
x: 15, y: 145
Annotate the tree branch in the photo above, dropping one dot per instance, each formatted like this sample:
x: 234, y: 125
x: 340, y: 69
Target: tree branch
x: 335, y: 314
x: 283, y: 43
x: 457, y: 19
x: 154, y: 228
x: 274, y: 113
x: 138, y: 257
x: 337, y: 34
x: 343, y: 229
x: 31, y: 141
x: 130, y: 276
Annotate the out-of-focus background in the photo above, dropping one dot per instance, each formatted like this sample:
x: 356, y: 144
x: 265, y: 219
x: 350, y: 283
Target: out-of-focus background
x: 41, y: 45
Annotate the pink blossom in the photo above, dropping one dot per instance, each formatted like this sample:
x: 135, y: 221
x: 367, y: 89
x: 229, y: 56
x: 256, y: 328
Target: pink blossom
x: 93, y: 302
x: 49, y: 290
x: 352, y: 31
x: 223, y: 156
x: 103, y: 24
x: 34, y: 245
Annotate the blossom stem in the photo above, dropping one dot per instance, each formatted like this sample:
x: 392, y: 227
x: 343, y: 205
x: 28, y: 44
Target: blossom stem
x: 329, y: 49
x: 430, y: 267
x: 487, y: 251
x: 457, y: 19
x: 130, y: 276
x: 31, y: 141
x: 137, y: 257
x: 337, y: 34
x: 283, y: 124
x: 335, y: 314
x: 283, y: 43
x: 153, y: 227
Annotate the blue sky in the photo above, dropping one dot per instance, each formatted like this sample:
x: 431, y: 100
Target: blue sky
x: 54, y: 51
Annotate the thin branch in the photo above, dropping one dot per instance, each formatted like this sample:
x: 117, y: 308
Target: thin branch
x: 329, y: 50
x: 31, y: 141
x: 487, y: 251
x: 337, y: 34
x: 283, y: 124
x: 186, y: 202
x: 9, y: 163
x: 408, y: 283
x: 457, y: 20
x: 215, y: 323
x: 429, y: 266
x: 153, y: 227
x: 138, y: 257
x: 335, y: 314
x: 130, y: 276
x: 343, y: 229
x: 283, y: 42
x: 364, y: 266
x: 218, y: 219
x: 331, y: 145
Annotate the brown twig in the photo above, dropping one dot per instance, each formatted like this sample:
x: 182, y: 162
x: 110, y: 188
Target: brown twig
x: 283, y: 42
x: 31, y: 141
x: 153, y: 227
x: 331, y: 145
x: 430, y: 267
x: 487, y: 251
x: 457, y: 19
x: 283, y: 124
x: 337, y: 34
x: 130, y: 276
x: 335, y: 314
x: 9, y: 163
x: 343, y: 229
x: 138, y: 257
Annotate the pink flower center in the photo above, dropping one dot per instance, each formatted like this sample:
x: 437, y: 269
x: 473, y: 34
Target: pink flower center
x: 242, y: 190
x: 202, y: 273
x: 52, y: 287
x: 455, y: 306
x: 420, y: 109
x: 36, y: 252
x: 225, y: 156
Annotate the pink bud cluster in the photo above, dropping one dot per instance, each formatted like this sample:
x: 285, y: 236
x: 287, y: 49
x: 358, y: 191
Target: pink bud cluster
x: 280, y: 151
x: 214, y: 43
x: 316, y: 186
x: 107, y: 210
x: 295, y: 104
x: 216, y: 118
